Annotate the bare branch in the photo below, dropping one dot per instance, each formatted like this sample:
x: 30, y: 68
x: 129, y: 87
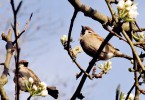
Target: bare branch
x: 19, y: 6
x: 68, y: 47
x: 90, y: 12
x: 111, y: 11
x: 133, y: 49
x: 131, y: 89
x: 15, y: 29
x: 25, y: 27
x: 3, y: 78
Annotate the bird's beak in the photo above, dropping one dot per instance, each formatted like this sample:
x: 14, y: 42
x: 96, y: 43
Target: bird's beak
x: 83, y: 30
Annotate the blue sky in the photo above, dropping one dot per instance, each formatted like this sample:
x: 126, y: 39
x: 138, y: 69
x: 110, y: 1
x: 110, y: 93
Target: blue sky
x: 41, y: 46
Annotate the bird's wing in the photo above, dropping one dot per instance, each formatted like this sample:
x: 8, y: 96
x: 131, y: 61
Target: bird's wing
x: 108, y: 44
x: 26, y: 72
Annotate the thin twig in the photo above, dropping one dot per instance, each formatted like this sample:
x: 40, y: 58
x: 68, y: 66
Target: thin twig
x: 82, y: 71
x: 111, y: 11
x: 138, y: 30
x: 139, y: 43
x: 131, y: 89
x: 15, y: 28
x: 137, y: 91
x: 25, y: 27
x: 113, y: 1
x: 112, y: 32
x: 133, y: 49
x: 68, y: 44
x: 138, y: 27
x: 18, y: 7
x: 29, y: 97
x: 70, y: 30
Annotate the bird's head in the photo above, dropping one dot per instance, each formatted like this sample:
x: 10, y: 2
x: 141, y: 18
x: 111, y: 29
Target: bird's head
x: 24, y: 63
x: 86, y: 30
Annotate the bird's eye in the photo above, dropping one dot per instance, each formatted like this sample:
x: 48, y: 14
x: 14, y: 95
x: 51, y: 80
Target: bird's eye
x: 89, y: 32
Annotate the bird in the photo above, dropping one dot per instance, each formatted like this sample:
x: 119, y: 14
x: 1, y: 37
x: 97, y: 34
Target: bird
x: 90, y: 42
x: 25, y: 73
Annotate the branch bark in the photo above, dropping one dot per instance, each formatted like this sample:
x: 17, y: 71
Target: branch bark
x: 3, y: 78
x: 90, y: 12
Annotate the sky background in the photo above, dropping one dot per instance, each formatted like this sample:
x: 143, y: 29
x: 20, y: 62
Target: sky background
x: 41, y: 46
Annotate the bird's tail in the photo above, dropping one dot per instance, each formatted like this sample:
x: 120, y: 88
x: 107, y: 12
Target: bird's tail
x: 119, y: 54
x: 52, y: 91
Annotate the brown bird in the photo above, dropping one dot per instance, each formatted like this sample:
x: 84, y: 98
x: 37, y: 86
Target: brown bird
x: 25, y: 73
x: 90, y: 42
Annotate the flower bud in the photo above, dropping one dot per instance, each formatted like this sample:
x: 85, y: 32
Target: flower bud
x: 109, y: 63
x: 78, y: 49
x: 130, y: 69
x: 63, y: 39
x: 34, y: 87
x: 132, y: 61
x: 131, y: 97
x: 101, y: 66
x: 44, y: 93
x: 128, y: 3
x: 120, y: 5
x: 31, y: 80
x: 43, y: 85
x: 142, y: 34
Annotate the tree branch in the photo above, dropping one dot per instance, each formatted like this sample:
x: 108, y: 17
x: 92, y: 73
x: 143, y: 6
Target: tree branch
x: 90, y: 12
x: 17, y: 53
x: 131, y: 89
x: 3, y: 78
x: 133, y: 49
x: 25, y: 27
x: 68, y: 47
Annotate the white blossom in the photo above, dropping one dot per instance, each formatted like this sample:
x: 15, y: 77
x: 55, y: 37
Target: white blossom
x: 142, y: 34
x: 132, y: 61
x: 128, y: 3
x: 134, y: 7
x: 121, y: 5
x: 75, y: 51
x: 133, y: 11
x: 34, y: 87
x: 44, y: 93
x: 78, y: 49
x: 132, y: 14
x: 101, y: 66
x: 131, y: 97
x: 63, y: 39
x: 109, y: 63
x: 43, y: 85
x: 127, y: 10
x: 106, y: 66
x: 31, y: 80
x: 124, y: 96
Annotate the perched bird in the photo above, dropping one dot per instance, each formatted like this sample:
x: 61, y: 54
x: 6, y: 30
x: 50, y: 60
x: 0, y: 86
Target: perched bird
x: 90, y: 42
x: 25, y: 73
